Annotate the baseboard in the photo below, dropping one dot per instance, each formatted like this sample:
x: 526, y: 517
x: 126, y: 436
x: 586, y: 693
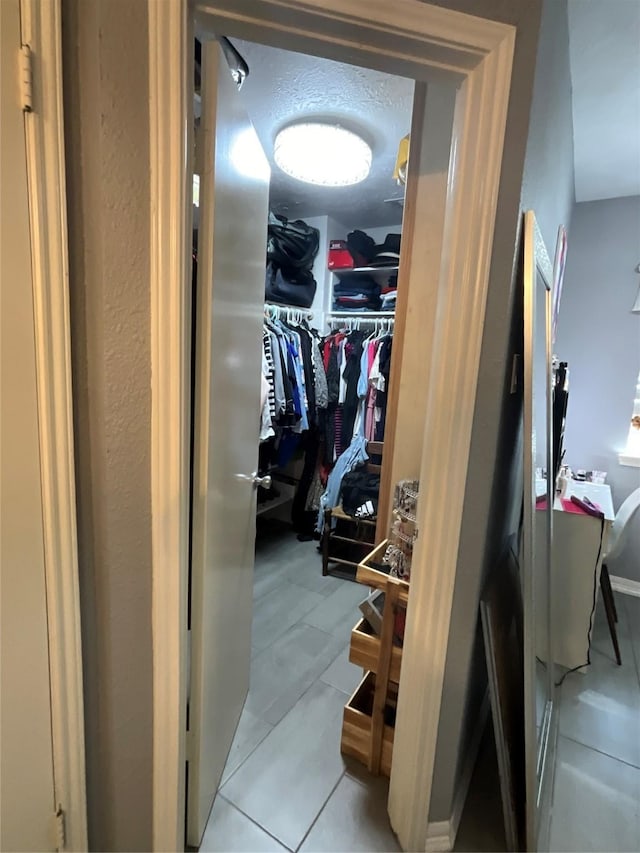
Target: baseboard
x: 625, y: 585
x: 441, y: 834
x: 439, y: 837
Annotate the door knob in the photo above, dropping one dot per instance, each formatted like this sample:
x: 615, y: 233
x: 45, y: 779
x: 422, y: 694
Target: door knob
x: 265, y: 481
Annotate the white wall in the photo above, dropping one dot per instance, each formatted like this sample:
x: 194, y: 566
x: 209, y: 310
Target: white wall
x: 380, y: 233
x: 328, y: 228
x: 600, y: 338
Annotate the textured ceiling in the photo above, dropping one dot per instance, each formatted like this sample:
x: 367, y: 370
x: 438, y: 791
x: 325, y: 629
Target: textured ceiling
x: 604, y: 42
x: 283, y: 87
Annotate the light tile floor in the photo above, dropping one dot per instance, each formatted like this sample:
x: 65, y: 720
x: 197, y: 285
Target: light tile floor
x: 596, y: 804
x: 286, y: 786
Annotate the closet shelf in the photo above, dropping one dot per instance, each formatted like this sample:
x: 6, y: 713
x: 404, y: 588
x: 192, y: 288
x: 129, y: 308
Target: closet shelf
x: 369, y: 270
x: 287, y: 492
x: 363, y: 314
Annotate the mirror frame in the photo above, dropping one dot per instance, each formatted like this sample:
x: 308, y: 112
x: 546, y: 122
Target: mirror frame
x: 538, y: 763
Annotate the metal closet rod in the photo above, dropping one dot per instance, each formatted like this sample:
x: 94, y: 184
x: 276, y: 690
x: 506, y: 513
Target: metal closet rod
x: 380, y: 321
x: 364, y: 315
x: 274, y: 309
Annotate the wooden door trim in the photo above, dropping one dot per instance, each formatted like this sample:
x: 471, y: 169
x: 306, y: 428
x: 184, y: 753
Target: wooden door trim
x: 407, y: 37
x: 419, y: 274
x: 170, y: 87
x: 41, y: 30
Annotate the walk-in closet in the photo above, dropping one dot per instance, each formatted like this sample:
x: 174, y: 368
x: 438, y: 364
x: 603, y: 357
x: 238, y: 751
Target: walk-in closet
x: 314, y: 321
x: 333, y: 246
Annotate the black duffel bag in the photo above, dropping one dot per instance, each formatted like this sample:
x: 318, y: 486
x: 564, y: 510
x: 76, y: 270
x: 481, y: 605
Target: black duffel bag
x: 360, y: 490
x: 289, y: 287
x: 291, y: 245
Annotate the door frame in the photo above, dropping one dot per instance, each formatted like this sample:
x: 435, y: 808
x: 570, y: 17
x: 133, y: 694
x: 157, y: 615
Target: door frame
x: 41, y: 31
x: 415, y: 40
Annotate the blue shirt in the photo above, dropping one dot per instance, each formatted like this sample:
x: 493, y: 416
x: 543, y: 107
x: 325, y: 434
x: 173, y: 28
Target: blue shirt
x: 354, y: 455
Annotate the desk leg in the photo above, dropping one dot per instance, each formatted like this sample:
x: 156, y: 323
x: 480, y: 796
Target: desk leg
x: 610, y: 609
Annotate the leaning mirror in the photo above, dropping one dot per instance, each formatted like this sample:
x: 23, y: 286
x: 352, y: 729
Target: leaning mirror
x: 537, y: 523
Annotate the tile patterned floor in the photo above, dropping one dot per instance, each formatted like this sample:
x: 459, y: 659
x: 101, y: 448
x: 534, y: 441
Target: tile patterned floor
x: 286, y: 785
x: 287, y: 788
x: 597, y: 782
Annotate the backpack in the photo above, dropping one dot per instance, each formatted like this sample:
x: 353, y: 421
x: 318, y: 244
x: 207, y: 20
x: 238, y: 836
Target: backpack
x: 360, y: 489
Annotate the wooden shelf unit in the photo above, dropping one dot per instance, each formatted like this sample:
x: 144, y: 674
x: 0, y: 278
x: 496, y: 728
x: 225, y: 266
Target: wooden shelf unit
x: 366, y: 733
x: 357, y: 728
x: 365, y: 651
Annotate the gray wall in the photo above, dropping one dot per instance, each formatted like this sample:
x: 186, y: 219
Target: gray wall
x: 548, y: 185
x: 537, y: 173
x: 600, y: 339
x: 106, y: 118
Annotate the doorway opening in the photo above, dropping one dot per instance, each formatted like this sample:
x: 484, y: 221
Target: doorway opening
x: 325, y: 334
x: 450, y: 213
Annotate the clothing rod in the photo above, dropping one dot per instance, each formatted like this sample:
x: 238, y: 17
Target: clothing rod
x: 357, y: 321
x: 363, y: 315
x: 287, y: 310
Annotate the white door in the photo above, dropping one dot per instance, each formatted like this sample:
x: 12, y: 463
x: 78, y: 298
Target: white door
x: 26, y: 776
x: 234, y: 196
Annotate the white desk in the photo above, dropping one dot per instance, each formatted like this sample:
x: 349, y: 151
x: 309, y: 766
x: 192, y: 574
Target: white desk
x: 598, y: 493
x: 576, y: 543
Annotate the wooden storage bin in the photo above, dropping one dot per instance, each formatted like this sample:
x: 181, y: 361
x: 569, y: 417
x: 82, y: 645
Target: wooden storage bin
x: 367, y: 574
x: 366, y: 730
x: 365, y: 651
x: 357, y: 727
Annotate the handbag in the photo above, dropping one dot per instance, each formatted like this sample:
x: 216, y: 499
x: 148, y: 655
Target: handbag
x: 297, y: 288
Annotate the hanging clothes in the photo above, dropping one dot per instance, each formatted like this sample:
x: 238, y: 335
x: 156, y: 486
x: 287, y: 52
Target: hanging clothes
x: 357, y: 365
x: 351, y: 377
x: 296, y: 400
x: 267, y: 401
x: 297, y: 385
x: 383, y: 394
x: 326, y: 397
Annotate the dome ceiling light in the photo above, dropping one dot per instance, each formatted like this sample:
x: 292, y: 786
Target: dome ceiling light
x: 323, y: 154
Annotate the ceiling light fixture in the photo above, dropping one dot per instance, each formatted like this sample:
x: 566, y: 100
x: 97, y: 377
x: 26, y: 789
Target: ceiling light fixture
x: 324, y: 154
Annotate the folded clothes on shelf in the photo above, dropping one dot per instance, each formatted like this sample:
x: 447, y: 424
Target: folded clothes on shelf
x: 356, y: 291
x: 356, y: 281
x: 388, y: 301
x: 350, y: 303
